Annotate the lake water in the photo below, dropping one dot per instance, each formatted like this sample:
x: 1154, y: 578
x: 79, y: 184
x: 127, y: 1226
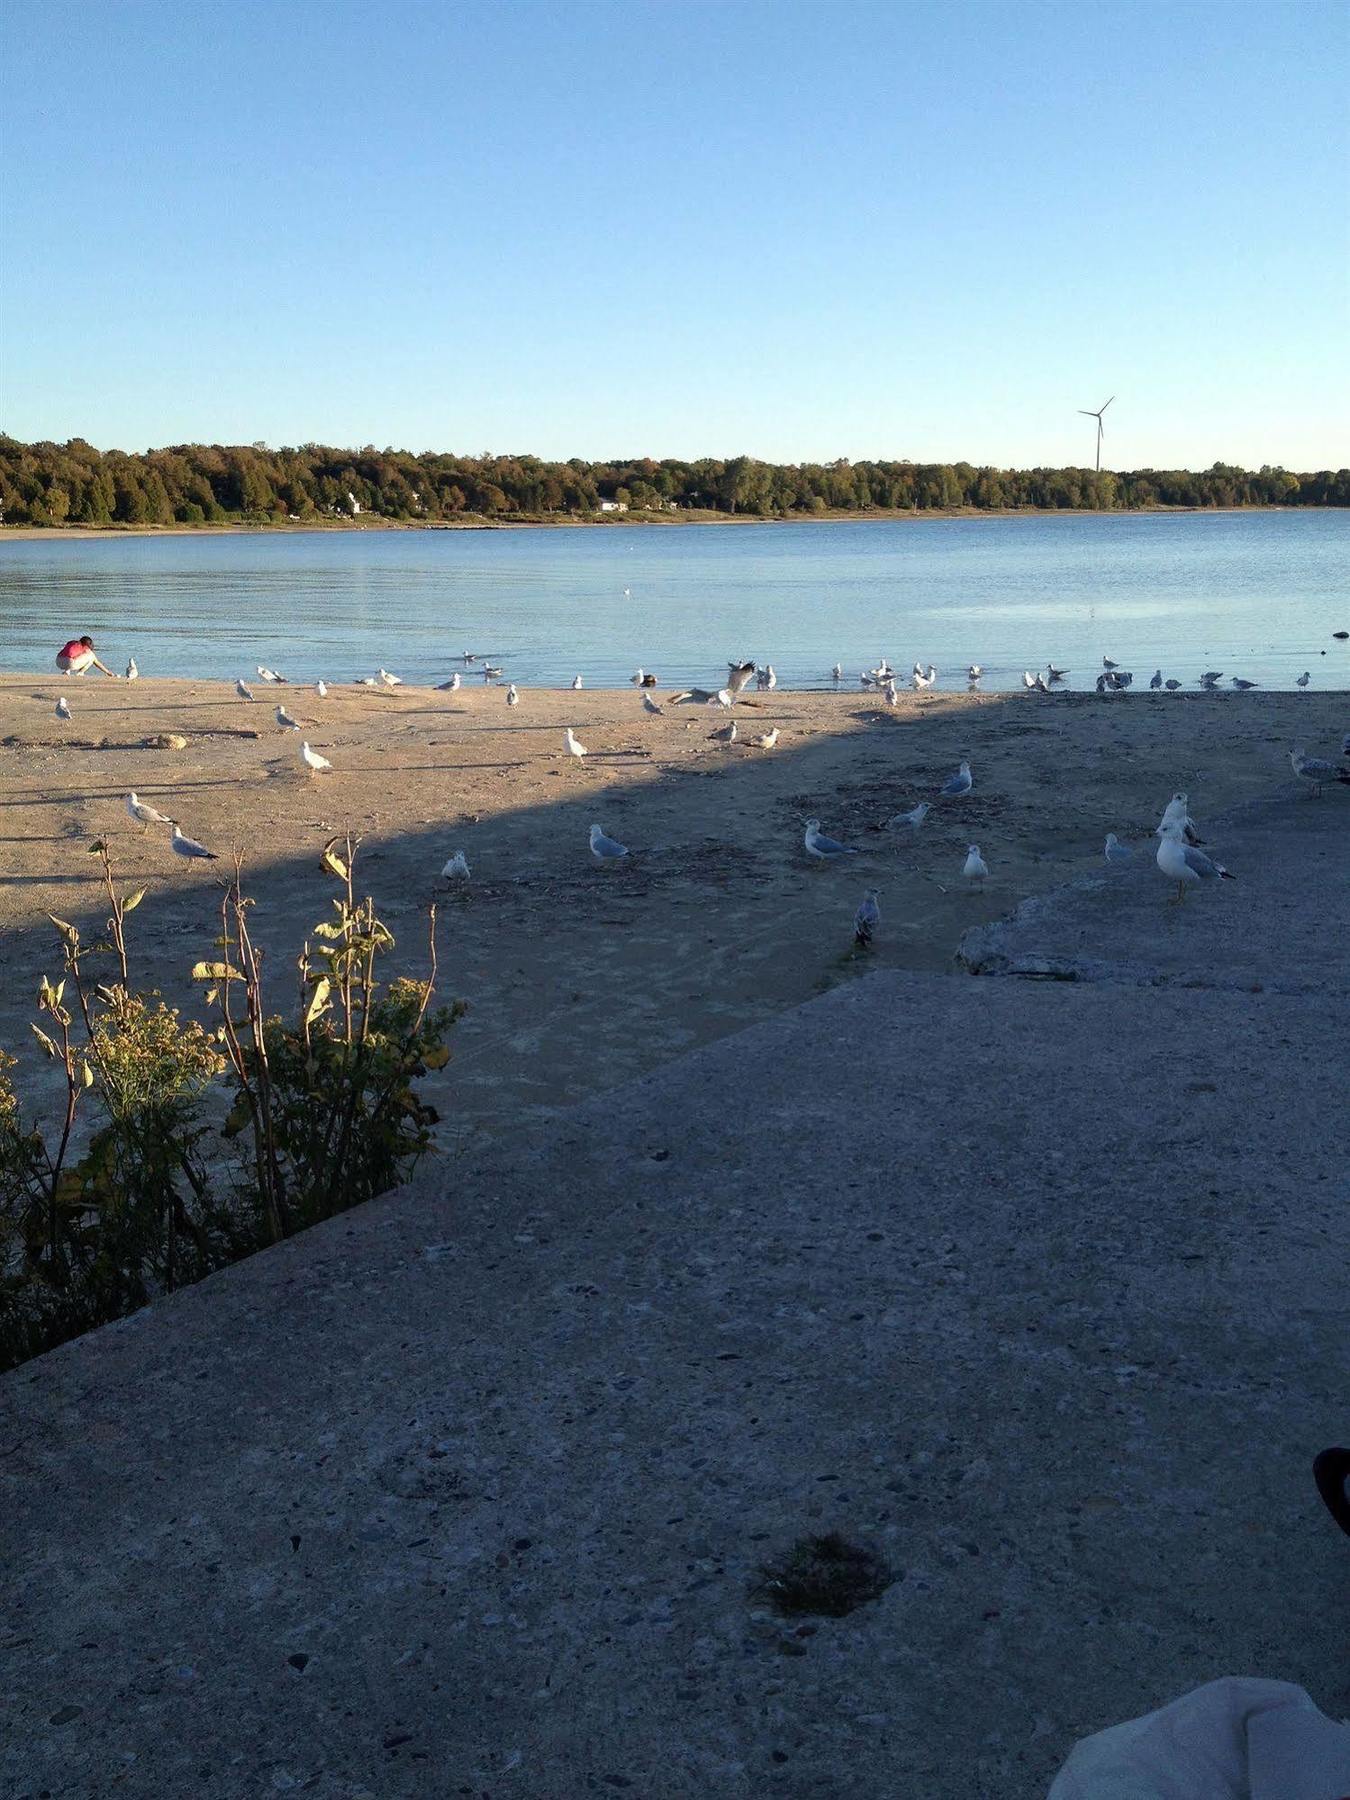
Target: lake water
x: 1253, y: 594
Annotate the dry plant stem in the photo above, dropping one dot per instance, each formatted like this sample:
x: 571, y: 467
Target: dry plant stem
x: 118, y: 913
x: 269, y: 1176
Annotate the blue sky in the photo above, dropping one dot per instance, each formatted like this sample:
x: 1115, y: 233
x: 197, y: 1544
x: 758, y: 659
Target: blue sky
x: 792, y: 230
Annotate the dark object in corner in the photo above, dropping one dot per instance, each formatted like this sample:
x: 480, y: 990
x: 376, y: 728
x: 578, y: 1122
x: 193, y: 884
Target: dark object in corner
x: 1331, y: 1472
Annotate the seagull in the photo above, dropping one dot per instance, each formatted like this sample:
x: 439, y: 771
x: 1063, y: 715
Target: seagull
x: 1302, y: 681
x: 241, y: 687
x: 321, y: 689
x: 1242, y: 685
x: 63, y: 708
x: 576, y: 684
x: 574, y: 745
x: 286, y: 722
x: 913, y: 819
x: 315, y: 763
x: 727, y: 734
x: 892, y: 694
x: 824, y: 849
x: 975, y: 868
x: 1180, y: 863
x: 490, y: 673
x: 452, y: 686
x: 189, y: 847
x: 512, y: 696
x: 605, y: 849
x: 866, y: 919
x: 974, y: 672
x: 457, y: 869
x: 365, y: 681
x: 144, y: 813
x: 837, y: 672
x: 469, y: 656
x: 1210, y: 676
x: 1177, y: 813
x: 1156, y: 682
x: 271, y: 675
x: 132, y: 670
x: 766, y: 740
x: 387, y: 679
x: 739, y: 677
x: 1028, y: 679
x: 1171, y: 686
x: 651, y: 706
x: 698, y: 697
x: 1054, y: 673
x: 1108, y: 664
x: 723, y: 697
x: 1117, y: 854
x: 1316, y: 769
x: 960, y: 783
x: 640, y: 679
x: 765, y: 677
x: 921, y: 680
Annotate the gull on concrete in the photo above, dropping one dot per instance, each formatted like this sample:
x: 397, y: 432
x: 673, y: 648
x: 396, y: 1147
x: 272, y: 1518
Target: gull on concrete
x: 574, y: 745
x: 867, y: 918
x: 190, y: 848
x: 457, y: 869
x: 824, y: 849
x: 1185, y: 865
x: 606, y: 849
x: 651, y: 706
x: 512, y: 695
x: 913, y: 819
x: 132, y: 671
x: 1116, y: 853
x: 63, y: 708
x: 241, y: 687
x: 315, y: 763
x: 960, y: 783
x: 975, y: 868
x: 284, y: 719
x: 145, y: 814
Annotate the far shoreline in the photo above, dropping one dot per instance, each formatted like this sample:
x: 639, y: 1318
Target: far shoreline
x: 478, y: 522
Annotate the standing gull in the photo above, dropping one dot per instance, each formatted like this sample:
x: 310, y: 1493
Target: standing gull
x: 1180, y: 863
x: 651, y: 706
x: 312, y: 760
x: 974, y: 672
x: 1304, y: 679
x: 132, y: 671
x: 452, y: 686
x: 1155, y: 681
x: 606, y: 849
x: 975, y: 868
x: 824, y: 849
x: 1242, y: 686
x: 63, y: 708
x: 766, y: 740
x: 145, y: 814
x: 284, y: 719
x: 457, y: 869
x: 241, y: 687
x: 837, y: 672
x: 913, y: 818
x: 725, y: 735
x: 866, y: 919
x: 321, y: 688
x: 190, y: 848
x: 576, y: 684
x: 512, y: 695
x: 1316, y: 769
x: 960, y: 783
x: 1116, y: 853
x: 387, y: 679
x: 574, y: 745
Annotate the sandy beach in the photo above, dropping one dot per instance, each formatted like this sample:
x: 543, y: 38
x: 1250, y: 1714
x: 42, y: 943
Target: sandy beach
x: 579, y: 976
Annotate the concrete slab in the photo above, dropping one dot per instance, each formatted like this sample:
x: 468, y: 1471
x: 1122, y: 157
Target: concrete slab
x: 1282, y: 925
x: 1038, y: 1289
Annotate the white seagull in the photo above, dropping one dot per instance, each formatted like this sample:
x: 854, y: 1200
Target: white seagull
x: 144, y: 813
x: 1180, y: 863
x: 725, y: 735
x: 1116, y: 853
x: 452, y: 686
x: 457, y: 869
x: 605, y: 849
x: 921, y: 680
x: 824, y: 849
x: 284, y: 719
x: 913, y: 818
x: 512, y: 697
x: 960, y: 783
x: 974, y: 672
x: 267, y: 674
x: 576, y: 684
x: 312, y: 760
x: 574, y: 745
x: 132, y: 671
x: 63, y: 708
x: 365, y: 681
x: 388, y: 680
x: 766, y: 740
x: 189, y: 847
x: 649, y: 705
x: 321, y: 689
x: 837, y: 672
x: 739, y: 677
x: 241, y: 687
x: 867, y: 918
x: 975, y: 868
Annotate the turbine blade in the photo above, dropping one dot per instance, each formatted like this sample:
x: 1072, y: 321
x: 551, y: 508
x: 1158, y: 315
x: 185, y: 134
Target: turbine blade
x: 1108, y: 403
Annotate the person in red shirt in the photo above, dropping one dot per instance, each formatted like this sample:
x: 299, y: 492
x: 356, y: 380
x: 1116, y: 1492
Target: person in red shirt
x: 77, y: 656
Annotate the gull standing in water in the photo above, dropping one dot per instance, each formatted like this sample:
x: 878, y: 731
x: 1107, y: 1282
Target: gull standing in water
x: 960, y: 783
x: 241, y: 687
x: 922, y: 681
x: 866, y: 919
x: 651, y: 706
x: 63, y: 708
x: 975, y: 869
x: 837, y: 672
x: 1054, y: 673
x: 824, y: 849
x: 1116, y: 853
x: 574, y: 745
x: 973, y: 673
x: 284, y: 719
x: 145, y: 814
x: 132, y: 671
x: 190, y: 848
x: 313, y: 761
x: 1180, y: 863
x: 606, y: 849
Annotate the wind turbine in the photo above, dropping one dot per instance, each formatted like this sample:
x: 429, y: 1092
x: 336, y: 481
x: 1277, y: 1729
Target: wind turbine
x: 1098, y: 417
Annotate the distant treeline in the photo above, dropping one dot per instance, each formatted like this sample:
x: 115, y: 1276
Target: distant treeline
x: 196, y: 484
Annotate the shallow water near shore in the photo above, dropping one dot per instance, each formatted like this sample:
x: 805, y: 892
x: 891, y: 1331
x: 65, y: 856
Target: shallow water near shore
x: 1253, y: 594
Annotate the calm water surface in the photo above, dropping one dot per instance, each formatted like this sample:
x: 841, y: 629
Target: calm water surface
x: 1253, y: 594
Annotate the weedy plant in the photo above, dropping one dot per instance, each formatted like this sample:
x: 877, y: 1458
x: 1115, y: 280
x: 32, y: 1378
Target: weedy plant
x: 324, y: 1113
